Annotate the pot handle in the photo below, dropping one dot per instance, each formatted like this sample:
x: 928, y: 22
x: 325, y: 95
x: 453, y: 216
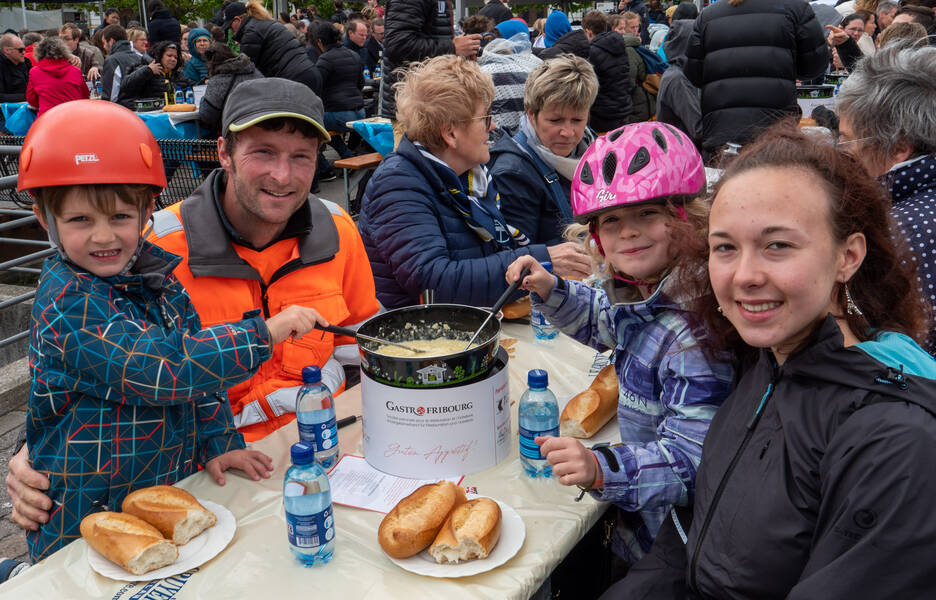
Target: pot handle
x: 337, y: 330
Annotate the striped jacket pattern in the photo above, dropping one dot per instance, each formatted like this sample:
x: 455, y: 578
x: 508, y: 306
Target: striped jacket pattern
x: 668, y: 393
x: 127, y: 389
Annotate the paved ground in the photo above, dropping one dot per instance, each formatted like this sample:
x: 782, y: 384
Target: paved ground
x: 12, y: 540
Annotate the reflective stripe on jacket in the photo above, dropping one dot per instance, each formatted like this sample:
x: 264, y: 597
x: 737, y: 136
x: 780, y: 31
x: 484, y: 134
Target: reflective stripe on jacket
x: 326, y: 269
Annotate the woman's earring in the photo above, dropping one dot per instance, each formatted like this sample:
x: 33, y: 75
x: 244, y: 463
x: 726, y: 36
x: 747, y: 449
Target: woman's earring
x: 720, y: 311
x: 850, y: 306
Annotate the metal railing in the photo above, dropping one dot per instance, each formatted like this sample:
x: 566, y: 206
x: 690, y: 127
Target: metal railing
x: 187, y: 163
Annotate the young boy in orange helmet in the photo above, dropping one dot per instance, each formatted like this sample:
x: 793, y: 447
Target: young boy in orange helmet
x: 128, y: 390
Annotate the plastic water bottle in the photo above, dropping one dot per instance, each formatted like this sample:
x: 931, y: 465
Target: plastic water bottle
x: 543, y: 331
x: 189, y: 96
x: 99, y: 86
x: 366, y: 73
x: 310, y: 519
x: 179, y: 95
x: 539, y: 415
x: 315, y: 411
x: 377, y: 71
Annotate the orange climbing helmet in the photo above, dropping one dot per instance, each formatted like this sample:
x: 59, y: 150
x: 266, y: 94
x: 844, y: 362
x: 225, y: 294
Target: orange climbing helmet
x: 87, y: 142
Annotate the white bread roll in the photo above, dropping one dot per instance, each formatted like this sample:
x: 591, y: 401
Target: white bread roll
x: 171, y: 510
x: 415, y: 520
x: 128, y: 541
x: 471, y: 531
x: 588, y: 412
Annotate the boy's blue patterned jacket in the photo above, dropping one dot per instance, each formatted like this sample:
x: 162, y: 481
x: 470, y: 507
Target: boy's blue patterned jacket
x: 668, y: 393
x: 127, y: 389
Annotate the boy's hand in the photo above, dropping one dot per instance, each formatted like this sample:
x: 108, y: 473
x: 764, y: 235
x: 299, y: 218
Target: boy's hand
x: 295, y: 321
x: 25, y: 487
x: 539, y: 280
x: 253, y: 463
x: 572, y: 462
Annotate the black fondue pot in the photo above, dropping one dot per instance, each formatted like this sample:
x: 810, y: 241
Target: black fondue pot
x: 432, y: 321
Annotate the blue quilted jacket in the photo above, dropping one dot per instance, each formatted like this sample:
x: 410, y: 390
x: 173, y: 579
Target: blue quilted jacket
x: 127, y: 389
x: 415, y: 241
x: 669, y: 391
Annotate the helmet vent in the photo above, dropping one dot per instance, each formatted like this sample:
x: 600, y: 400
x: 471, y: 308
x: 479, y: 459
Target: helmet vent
x: 659, y: 139
x: 609, y: 167
x: 674, y: 132
x: 614, y: 135
x: 641, y: 159
x: 586, y: 176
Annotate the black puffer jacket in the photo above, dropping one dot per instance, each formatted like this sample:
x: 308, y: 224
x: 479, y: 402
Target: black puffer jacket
x: 573, y: 42
x: 608, y: 55
x: 415, y: 30
x: 227, y: 75
x: 276, y: 52
x: 124, y: 58
x: 342, y: 79
x: 163, y: 28
x: 816, y: 481
x: 746, y: 60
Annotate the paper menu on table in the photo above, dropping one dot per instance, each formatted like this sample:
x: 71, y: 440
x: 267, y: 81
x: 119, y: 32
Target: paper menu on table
x: 356, y: 484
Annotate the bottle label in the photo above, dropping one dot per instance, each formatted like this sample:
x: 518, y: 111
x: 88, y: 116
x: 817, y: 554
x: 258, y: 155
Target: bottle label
x: 322, y: 436
x: 310, y: 531
x: 528, y: 447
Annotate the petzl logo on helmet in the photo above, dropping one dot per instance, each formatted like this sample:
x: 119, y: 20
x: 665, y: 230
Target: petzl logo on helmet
x: 606, y: 196
x: 86, y: 158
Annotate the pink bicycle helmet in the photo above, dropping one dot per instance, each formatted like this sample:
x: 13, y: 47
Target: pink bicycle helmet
x: 633, y: 164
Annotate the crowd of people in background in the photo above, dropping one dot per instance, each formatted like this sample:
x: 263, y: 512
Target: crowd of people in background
x: 579, y: 150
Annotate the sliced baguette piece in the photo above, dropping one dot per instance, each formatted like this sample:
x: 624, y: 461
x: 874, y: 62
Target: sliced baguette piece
x: 128, y: 541
x: 471, y: 531
x: 415, y: 520
x: 587, y: 412
x: 171, y: 510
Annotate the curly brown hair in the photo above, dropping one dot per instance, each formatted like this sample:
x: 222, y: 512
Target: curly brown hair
x: 885, y: 286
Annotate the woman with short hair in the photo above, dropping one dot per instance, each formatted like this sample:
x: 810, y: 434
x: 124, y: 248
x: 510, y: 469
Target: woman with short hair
x: 429, y: 218
x: 533, y: 170
x: 887, y: 119
x: 54, y: 79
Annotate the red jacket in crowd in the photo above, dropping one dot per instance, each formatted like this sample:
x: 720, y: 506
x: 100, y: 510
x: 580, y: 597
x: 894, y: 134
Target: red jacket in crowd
x: 54, y: 81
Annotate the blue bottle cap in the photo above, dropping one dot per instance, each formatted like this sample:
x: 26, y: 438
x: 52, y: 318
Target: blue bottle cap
x: 311, y: 374
x: 302, y: 453
x: 537, y: 378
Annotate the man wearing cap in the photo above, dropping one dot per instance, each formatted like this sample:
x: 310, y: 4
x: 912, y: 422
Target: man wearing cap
x: 254, y: 240
x: 272, y: 48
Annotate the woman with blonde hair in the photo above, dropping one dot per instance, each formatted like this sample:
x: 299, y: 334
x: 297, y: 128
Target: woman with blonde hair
x: 533, y: 169
x: 429, y: 217
x: 273, y: 49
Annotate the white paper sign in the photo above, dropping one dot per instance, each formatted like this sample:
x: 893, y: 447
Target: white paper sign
x: 357, y: 484
x: 426, y: 433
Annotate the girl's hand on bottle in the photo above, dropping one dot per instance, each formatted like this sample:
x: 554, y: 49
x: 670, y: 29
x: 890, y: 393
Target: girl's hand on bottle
x: 295, y: 321
x: 539, y: 280
x: 571, y: 462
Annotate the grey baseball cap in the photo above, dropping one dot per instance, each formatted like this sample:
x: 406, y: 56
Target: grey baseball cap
x: 258, y: 100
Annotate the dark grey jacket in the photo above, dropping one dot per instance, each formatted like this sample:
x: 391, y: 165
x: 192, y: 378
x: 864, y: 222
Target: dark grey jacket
x: 277, y: 53
x: 121, y: 59
x: 817, y: 481
x: 678, y: 100
x: 227, y: 75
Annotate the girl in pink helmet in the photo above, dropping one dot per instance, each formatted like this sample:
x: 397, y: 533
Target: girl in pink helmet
x: 634, y: 198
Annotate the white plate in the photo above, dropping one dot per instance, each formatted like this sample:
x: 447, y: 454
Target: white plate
x: 198, y: 551
x: 513, y: 532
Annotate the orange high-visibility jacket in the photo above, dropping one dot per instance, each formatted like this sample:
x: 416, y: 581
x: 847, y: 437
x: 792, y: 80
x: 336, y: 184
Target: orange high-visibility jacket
x: 326, y: 269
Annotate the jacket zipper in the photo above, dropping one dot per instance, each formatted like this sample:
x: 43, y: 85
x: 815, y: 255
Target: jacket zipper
x: 293, y: 265
x: 751, y: 426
